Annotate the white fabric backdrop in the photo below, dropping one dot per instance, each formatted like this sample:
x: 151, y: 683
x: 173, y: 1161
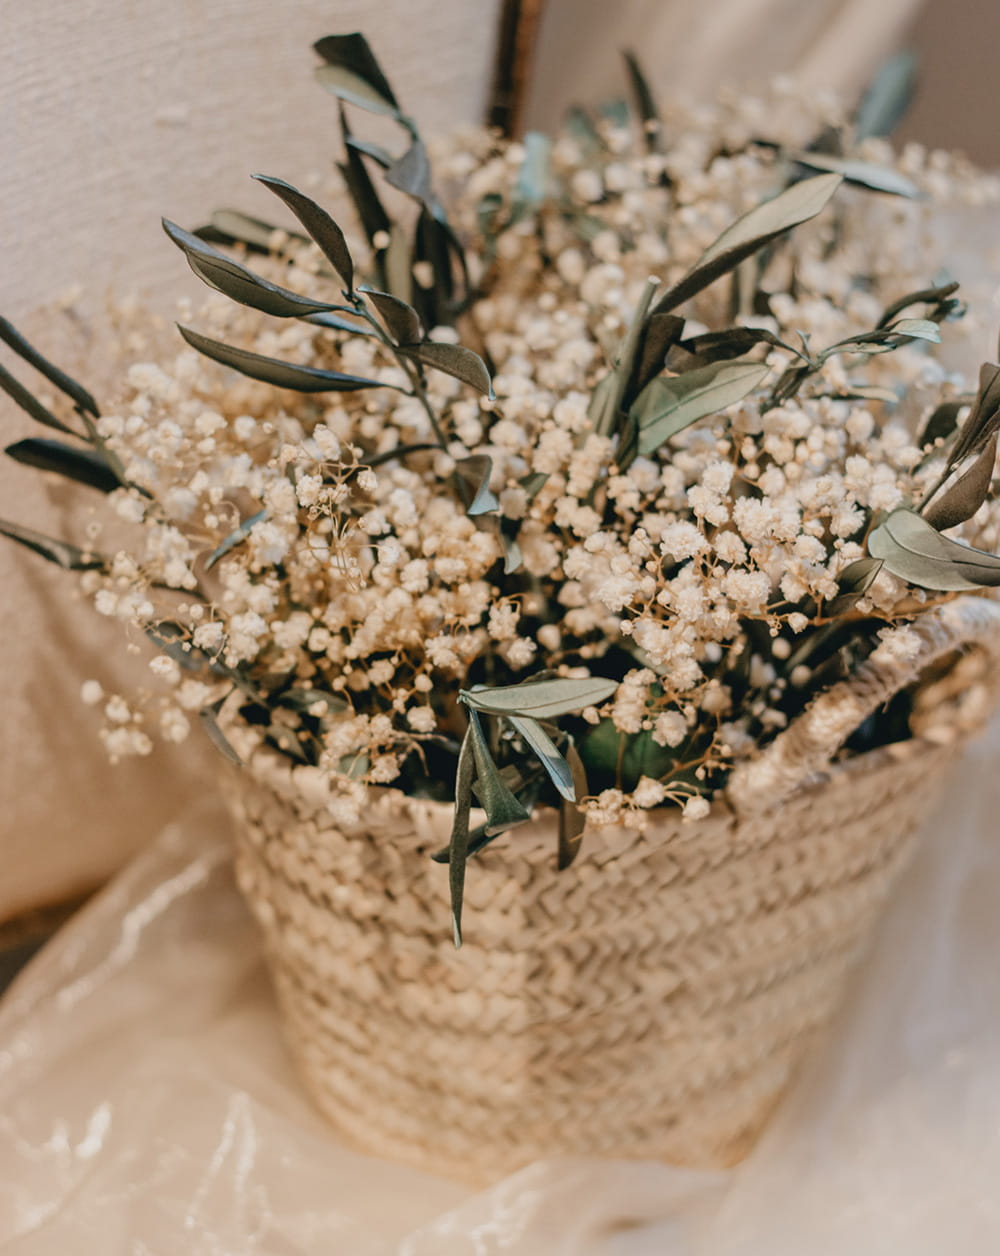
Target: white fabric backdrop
x: 147, y: 1105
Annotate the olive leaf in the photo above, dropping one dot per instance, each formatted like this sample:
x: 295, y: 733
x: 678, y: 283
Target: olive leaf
x: 320, y: 226
x: 376, y: 152
x: 942, y: 421
x: 209, y: 717
x: 572, y: 821
x: 238, y: 283
x: 733, y: 342
x: 174, y: 641
x: 938, y: 297
x: 963, y: 498
x: 984, y: 419
x: 411, y: 174
x: 533, y: 178
x: 85, y: 466
x: 667, y: 406
x: 763, y: 223
x: 607, y: 398
x: 235, y: 538
x: 76, y: 392
x: 533, y: 483
x: 885, y: 339
x: 887, y: 98
x: 30, y: 404
x: 915, y: 551
x: 473, y: 477
x: 62, y: 553
x: 864, y: 173
x: 852, y: 584
x: 548, y: 753
x: 458, y: 846
x: 512, y: 555
x: 306, y: 700
x: 309, y: 379
x: 232, y: 226
x: 338, y: 323
x: 502, y: 807
x: 370, y: 210
x: 351, y: 72
x: 540, y: 699
x: 398, y: 262
x: 454, y: 360
x: 402, y: 321
x: 660, y: 333
x: 644, y: 102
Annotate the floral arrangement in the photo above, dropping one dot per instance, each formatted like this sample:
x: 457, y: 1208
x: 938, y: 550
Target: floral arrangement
x: 596, y: 479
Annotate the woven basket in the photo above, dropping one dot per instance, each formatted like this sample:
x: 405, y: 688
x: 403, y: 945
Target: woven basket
x: 652, y: 1001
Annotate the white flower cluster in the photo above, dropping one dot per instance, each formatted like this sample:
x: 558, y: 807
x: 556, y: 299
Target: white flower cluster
x: 364, y: 596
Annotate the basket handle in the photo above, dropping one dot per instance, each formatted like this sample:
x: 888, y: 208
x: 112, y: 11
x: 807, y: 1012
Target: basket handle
x: 806, y: 747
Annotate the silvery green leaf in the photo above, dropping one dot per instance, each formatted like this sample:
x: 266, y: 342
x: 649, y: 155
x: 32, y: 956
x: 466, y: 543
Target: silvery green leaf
x: 232, y: 226
x: 29, y: 404
x: 854, y: 581
x: 916, y: 329
x: 579, y: 125
x: 937, y: 296
x: 644, y: 102
x: 533, y: 483
x: 62, y: 553
x: 411, y: 174
x: 396, y: 453
x: 887, y: 98
x: 454, y: 360
x: 309, y: 379
x: 338, y: 323
x: 235, y: 281
x: 85, y: 466
x: 170, y: 639
x: 306, y: 700
x: 607, y: 398
x: 572, y: 821
x: 763, y: 223
x: 351, y: 72
x: 984, y: 419
x: 660, y: 333
x: 667, y: 406
x: 733, y: 342
x: 864, y: 173
x: 540, y: 699
x: 512, y: 556
x: 369, y: 208
x: 458, y: 847
x: 236, y: 537
x: 963, y: 498
x: 77, y: 394
x: 320, y: 226
x: 473, y: 475
x: 401, y: 320
x: 381, y: 156
x: 942, y: 421
x: 398, y: 263
x: 548, y: 754
x: 503, y: 810
x: 865, y: 392
x: 210, y: 722
x: 915, y: 551
x: 533, y: 179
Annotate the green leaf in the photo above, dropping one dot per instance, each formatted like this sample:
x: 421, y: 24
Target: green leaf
x: 308, y: 379
x: 398, y: 262
x: 548, y: 754
x: 458, y: 847
x: 376, y: 152
x: 533, y: 483
x: 852, y: 584
x: 29, y: 404
x: 660, y: 333
x: 454, y: 360
x: 238, y: 283
x: 370, y: 209
x: 572, y: 821
x: 763, y: 223
x: 943, y: 420
x: 236, y: 537
x: 401, y: 320
x: 473, y: 476
x: 62, y: 553
x: 304, y: 700
x: 321, y: 227
x: 170, y: 639
x: 338, y: 323
x: 540, y: 699
x: 232, y: 226
x: 887, y: 98
x: 667, y: 406
x: 938, y: 297
x: 963, y: 498
x: 644, y: 102
x: 351, y: 72
x: 512, y: 555
x: 533, y: 178
x: 984, y: 419
x: 210, y: 723
x: 503, y: 810
x: 85, y: 466
x: 863, y: 173
x: 411, y: 174
x: 733, y: 342
x: 916, y: 552
x: 610, y: 394
x: 77, y: 394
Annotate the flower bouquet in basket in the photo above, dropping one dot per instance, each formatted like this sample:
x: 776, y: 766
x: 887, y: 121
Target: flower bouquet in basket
x: 582, y: 542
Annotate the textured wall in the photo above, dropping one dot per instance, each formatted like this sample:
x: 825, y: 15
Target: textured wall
x: 115, y: 112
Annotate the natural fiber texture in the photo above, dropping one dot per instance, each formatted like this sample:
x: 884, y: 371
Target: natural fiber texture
x: 651, y: 1001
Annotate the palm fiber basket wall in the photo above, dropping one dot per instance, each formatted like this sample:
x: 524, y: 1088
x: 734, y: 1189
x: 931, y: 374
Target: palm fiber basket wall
x: 652, y: 1000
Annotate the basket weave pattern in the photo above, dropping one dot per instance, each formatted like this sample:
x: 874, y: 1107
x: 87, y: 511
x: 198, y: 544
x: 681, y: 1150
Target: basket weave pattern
x: 651, y: 1001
